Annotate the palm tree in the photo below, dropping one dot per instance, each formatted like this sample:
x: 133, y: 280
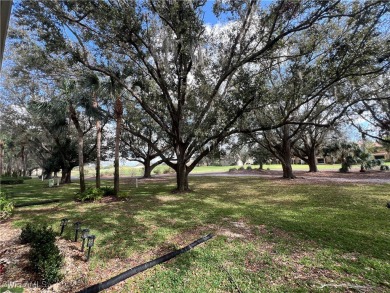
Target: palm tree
x: 92, y: 84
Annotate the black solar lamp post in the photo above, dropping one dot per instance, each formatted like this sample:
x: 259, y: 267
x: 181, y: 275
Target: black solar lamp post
x: 64, y: 222
x: 90, y: 243
x: 77, y: 228
x: 84, y: 235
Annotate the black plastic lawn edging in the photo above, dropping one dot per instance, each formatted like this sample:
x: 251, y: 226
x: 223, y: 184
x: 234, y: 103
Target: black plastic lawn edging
x: 36, y: 203
x: 129, y: 273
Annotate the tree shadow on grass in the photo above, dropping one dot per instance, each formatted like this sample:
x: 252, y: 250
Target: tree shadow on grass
x: 153, y: 216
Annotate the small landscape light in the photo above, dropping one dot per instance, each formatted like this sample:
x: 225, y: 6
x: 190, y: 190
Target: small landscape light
x: 84, y: 235
x: 90, y: 243
x: 64, y: 222
x: 77, y: 229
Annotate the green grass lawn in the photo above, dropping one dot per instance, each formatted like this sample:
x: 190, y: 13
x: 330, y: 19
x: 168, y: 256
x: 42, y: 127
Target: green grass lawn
x: 271, y: 235
x: 138, y: 171
x: 161, y: 169
x: 276, y: 167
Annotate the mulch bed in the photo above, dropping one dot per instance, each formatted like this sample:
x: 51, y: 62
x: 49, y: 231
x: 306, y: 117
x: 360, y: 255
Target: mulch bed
x: 14, y: 264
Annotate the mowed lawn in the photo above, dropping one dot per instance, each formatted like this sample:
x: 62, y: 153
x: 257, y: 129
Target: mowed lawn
x: 128, y: 171
x: 270, y: 235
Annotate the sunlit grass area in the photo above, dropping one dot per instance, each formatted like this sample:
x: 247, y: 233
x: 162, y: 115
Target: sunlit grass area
x: 271, y: 235
x: 164, y: 169
x: 276, y: 167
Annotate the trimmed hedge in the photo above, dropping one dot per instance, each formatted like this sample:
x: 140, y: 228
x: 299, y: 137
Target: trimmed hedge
x: 45, y: 257
x: 28, y: 233
x: 11, y: 180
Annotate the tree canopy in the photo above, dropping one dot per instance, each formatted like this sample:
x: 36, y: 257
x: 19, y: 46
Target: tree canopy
x: 265, y: 68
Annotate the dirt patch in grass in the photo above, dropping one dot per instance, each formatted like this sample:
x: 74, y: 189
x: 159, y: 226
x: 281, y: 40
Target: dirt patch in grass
x: 236, y: 230
x: 110, y: 198
x: 167, y: 198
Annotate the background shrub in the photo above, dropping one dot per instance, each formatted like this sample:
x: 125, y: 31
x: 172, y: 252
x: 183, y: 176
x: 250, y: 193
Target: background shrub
x: 6, y: 206
x: 168, y: 170
x: 232, y: 169
x: 11, y: 180
x: 107, y: 190
x: 249, y: 168
x: 241, y: 168
x: 384, y: 168
x: 90, y: 194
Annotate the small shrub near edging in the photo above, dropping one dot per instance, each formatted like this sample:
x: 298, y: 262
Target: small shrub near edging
x: 28, y: 233
x: 91, y: 194
x: 10, y: 181
x: 232, y: 169
x: 6, y: 206
x: 44, y: 256
x: 241, y: 168
x: 249, y: 168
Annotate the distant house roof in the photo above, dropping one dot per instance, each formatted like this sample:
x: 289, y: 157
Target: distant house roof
x: 5, y: 12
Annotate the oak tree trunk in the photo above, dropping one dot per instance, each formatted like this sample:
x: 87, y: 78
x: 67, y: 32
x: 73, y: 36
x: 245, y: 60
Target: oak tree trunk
x: 147, y: 169
x: 287, y: 170
x: 312, y: 161
x: 286, y: 154
x: 66, y: 175
x: 182, y: 178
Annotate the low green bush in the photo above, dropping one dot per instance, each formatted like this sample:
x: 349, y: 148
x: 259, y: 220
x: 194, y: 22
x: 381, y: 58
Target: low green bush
x: 232, y: 169
x: 26, y: 177
x: 107, y: 190
x: 168, y: 171
x: 241, y: 168
x: 6, y: 206
x: 347, y: 164
x: 44, y: 256
x: 11, y: 180
x: 384, y: 168
x: 157, y: 171
x: 249, y: 168
x: 28, y: 233
x: 90, y: 194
